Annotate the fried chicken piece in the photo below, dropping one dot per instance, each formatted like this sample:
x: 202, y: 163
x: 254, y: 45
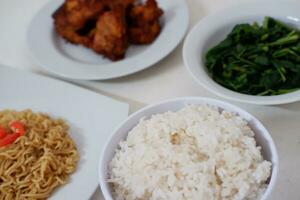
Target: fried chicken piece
x: 145, y: 34
x: 144, y: 24
x: 117, y: 3
x: 110, y: 36
x: 76, y: 19
x: 78, y: 12
x: 102, y: 24
x: 66, y: 30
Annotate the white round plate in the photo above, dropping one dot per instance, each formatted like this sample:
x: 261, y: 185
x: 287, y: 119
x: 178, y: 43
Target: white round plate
x: 214, y: 28
x: 77, y: 62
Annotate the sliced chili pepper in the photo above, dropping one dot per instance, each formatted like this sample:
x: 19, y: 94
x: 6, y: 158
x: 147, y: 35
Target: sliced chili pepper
x: 17, y: 127
x: 2, y: 132
x: 9, y: 139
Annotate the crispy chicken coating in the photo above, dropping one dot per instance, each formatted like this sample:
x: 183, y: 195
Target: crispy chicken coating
x: 67, y: 31
x: 78, y: 12
x: 116, y: 3
x: 108, y: 26
x: 110, y: 36
x: 144, y: 24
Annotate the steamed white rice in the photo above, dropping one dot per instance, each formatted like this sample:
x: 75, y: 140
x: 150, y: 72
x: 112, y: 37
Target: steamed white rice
x: 195, y: 153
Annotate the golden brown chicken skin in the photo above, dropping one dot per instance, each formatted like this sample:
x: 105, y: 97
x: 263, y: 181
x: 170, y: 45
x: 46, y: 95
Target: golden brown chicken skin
x: 108, y: 26
x: 78, y: 12
x: 67, y: 31
x: 111, y: 4
x: 144, y: 24
x: 110, y: 35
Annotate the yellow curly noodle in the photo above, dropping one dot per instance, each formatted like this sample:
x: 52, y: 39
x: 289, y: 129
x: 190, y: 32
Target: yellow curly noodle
x: 38, y: 162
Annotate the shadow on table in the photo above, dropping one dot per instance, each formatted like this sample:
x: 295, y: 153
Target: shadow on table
x: 291, y: 106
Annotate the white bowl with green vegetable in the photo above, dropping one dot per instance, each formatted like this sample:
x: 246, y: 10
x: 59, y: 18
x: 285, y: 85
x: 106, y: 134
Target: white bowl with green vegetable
x: 248, y: 53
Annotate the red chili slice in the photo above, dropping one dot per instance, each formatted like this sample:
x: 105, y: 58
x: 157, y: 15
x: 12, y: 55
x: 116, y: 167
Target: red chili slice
x: 2, y: 132
x: 17, y: 127
x: 9, y: 139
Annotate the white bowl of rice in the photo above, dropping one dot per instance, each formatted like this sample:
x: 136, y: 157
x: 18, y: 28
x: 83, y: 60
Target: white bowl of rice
x: 189, y: 148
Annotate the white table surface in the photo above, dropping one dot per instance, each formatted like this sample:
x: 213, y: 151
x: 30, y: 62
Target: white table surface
x: 167, y: 79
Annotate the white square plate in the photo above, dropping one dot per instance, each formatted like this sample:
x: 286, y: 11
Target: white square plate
x: 91, y: 117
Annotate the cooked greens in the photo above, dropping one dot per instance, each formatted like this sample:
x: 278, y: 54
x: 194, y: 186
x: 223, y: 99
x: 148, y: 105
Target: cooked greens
x: 258, y: 60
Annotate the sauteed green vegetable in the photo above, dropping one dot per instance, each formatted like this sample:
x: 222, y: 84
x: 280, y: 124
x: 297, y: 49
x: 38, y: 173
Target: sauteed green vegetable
x: 258, y: 60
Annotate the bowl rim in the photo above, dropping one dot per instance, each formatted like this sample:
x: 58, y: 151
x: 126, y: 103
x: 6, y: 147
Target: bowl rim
x: 213, y: 20
x: 190, y: 100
